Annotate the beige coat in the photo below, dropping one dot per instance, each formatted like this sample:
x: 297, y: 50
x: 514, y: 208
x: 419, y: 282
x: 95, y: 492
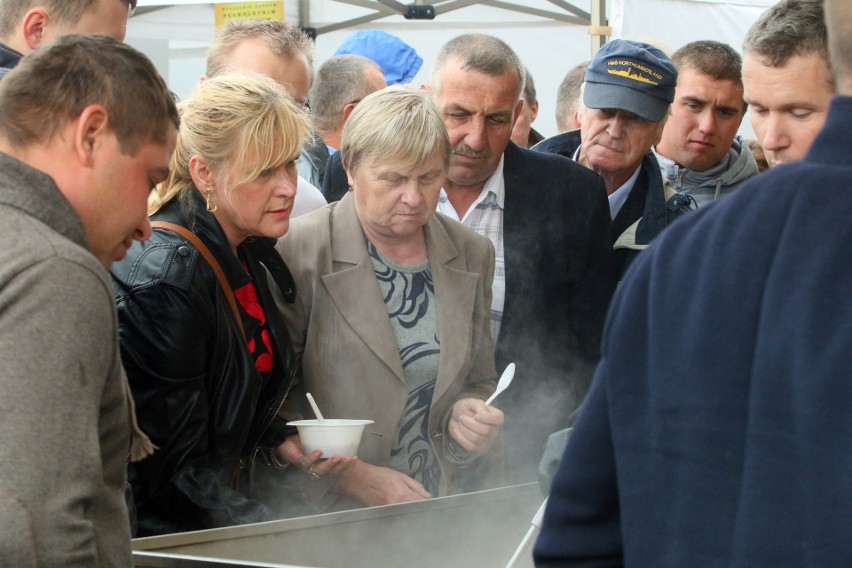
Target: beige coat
x: 340, y: 326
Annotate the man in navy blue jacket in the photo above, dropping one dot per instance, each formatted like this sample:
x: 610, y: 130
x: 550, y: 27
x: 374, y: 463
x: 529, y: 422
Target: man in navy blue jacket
x: 718, y: 428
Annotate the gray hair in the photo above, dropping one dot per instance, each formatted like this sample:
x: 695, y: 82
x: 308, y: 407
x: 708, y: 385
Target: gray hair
x: 397, y: 123
x: 341, y: 80
x: 282, y: 38
x: 482, y: 53
x: 568, y: 95
x: 65, y: 12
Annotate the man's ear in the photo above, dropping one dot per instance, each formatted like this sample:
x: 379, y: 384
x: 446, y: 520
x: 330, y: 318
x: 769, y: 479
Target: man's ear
x: 90, y: 132
x: 347, y: 110
x: 534, y: 111
x: 577, y: 117
x: 425, y: 87
x: 34, y: 26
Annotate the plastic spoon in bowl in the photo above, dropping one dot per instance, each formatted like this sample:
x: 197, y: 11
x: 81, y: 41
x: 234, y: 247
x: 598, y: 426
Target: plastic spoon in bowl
x: 503, y: 383
x: 316, y: 408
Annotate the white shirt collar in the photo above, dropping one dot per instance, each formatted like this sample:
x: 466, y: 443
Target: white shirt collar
x: 619, y: 196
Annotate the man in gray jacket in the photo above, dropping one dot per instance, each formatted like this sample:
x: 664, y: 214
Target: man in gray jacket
x: 700, y: 152
x: 87, y: 128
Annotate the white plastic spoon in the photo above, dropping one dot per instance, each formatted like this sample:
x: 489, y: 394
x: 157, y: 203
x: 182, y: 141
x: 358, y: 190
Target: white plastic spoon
x: 503, y: 383
x: 316, y: 408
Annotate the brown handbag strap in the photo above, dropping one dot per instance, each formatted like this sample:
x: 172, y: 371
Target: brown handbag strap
x: 211, y: 260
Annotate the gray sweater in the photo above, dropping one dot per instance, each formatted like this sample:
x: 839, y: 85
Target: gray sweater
x: 706, y: 187
x: 64, y: 425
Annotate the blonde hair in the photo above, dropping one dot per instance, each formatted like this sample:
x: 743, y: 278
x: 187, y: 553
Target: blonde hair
x: 396, y: 123
x: 243, y: 122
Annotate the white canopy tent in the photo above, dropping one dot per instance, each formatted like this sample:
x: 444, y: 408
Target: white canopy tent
x: 549, y: 35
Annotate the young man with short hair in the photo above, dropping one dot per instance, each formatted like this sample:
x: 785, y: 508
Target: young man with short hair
x: 87, y: 129
x: 700, y: 152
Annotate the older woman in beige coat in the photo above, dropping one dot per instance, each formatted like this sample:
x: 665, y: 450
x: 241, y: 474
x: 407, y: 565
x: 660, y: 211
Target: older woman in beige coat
x: 391, y: 316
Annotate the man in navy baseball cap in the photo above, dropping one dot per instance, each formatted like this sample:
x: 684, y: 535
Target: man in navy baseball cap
x: 628, y: 90
x: 632, y: 76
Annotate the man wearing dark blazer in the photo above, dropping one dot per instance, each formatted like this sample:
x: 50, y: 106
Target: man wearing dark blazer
x: 627, y: 92
x: 548, y: 219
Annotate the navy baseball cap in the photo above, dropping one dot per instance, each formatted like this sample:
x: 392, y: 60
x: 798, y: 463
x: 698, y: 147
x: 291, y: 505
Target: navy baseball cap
x: 632, y: 76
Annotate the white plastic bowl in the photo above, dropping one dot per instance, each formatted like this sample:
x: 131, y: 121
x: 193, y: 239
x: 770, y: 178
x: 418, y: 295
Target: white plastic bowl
x: 335, y: 437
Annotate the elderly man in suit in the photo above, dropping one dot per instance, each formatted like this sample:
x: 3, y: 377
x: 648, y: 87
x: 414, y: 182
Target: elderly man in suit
x: 627, y: 94
x: 548, y: 220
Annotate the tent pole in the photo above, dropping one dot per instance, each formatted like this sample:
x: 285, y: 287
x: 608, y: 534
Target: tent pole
x: 305, y: 13
x: 599, y: 30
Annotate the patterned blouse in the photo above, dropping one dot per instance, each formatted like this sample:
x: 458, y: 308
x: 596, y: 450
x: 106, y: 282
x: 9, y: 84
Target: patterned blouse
x: 409, y: 296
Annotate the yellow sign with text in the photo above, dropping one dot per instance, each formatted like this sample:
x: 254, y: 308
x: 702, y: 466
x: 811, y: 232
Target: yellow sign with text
x: 227, y: 11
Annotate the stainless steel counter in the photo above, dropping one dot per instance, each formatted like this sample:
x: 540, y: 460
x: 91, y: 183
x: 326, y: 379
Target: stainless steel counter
x: 475, y: 530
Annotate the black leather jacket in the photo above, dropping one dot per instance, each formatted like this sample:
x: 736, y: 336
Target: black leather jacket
x: 198, y: 394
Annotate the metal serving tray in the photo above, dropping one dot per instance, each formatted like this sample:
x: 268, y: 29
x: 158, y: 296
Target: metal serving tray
x: 473, y: 530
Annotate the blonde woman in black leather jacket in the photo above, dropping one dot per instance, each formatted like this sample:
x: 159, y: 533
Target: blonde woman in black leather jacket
x: 208, y: 376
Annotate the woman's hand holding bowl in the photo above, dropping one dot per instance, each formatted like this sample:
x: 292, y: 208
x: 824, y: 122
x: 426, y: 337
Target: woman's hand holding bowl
x: 292, y: 452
